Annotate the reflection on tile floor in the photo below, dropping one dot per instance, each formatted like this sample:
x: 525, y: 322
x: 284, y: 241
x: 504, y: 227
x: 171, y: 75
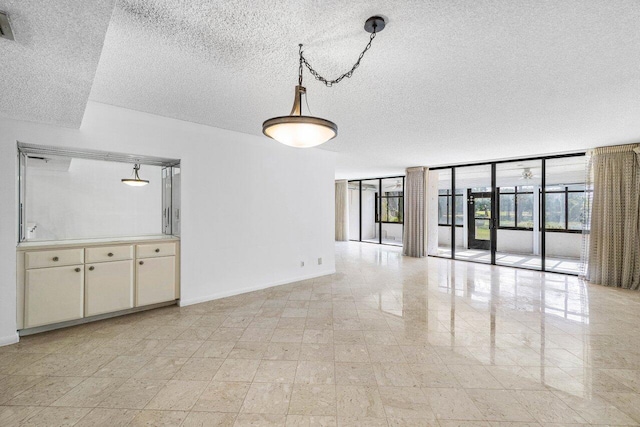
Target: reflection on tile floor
x: 386, y: 341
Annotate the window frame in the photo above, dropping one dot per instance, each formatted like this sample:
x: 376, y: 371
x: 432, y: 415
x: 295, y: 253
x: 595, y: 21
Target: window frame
x: 377, y: 221
x: 378, y: 199
x: 565, y: 194
x: 515, y: 208
x: 451, y: 215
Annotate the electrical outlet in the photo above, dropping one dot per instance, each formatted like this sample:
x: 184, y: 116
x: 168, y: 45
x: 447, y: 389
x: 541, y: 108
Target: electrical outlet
x: 319, y: 261
x: 301, y: 263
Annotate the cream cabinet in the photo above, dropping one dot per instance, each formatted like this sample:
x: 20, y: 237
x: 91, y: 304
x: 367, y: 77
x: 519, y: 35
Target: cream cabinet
x: 155, y: 250
x: 53, y: 295
x: 108, y: 287
x: 53, y: 258
x: 156, y: 280
x: 87, y: 280
x: 108, y: 253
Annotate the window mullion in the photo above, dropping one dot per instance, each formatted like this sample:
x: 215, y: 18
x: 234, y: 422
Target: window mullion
x: 515, y: 205
x: 566, y: 208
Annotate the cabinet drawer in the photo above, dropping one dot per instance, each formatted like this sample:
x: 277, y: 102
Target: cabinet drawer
x: 54, y: 258
x: 108, y: 253
x: 153, y: 250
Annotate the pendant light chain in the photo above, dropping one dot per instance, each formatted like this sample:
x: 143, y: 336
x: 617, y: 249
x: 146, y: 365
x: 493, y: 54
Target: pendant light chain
x: 348, y: 74
x: 298, y: 130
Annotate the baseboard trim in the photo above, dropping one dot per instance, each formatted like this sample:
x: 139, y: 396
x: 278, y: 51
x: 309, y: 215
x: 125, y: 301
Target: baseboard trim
x: 9, y: 339
x: 218, y: 295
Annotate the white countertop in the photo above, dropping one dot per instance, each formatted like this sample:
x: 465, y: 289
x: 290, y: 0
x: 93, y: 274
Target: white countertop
x: 91, y: 242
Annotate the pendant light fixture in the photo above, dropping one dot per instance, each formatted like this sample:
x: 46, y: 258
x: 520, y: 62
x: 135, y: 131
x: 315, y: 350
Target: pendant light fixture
x: 135, y: 181
x: 298, y: 130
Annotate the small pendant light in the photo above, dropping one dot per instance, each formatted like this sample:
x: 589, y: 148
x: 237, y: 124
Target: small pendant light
x: 136, y: 181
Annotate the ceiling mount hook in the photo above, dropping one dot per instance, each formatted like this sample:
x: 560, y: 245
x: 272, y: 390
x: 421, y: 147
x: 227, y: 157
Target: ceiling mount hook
x: 375, y: 24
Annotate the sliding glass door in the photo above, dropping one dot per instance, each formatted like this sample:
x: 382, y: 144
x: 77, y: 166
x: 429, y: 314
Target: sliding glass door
x: 376, y: 210
x: 521, y: 213
x: 392, y: 210
x: 474, y: 183
x: 565, y: 194
x: 369, y: 219
x: 353, y: 191
x: 518, y: 231
x: 441, y: 235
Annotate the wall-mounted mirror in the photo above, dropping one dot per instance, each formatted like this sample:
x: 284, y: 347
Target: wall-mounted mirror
x: 70, y: 194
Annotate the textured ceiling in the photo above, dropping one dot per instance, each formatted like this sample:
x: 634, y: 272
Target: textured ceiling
x: 447, y: 81
x: 47, y: 72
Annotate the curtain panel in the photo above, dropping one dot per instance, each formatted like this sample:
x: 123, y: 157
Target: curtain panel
x: 614, y: 235
x: 415, y: 210
x: 342, y: 211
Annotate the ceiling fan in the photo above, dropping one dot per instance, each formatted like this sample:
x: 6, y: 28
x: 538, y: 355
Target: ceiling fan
x: 396, y: 186
x: 527, y: 174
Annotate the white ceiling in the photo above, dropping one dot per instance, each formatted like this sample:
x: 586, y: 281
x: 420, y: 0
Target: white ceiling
x: 47, y: 72
x: 446, y: 82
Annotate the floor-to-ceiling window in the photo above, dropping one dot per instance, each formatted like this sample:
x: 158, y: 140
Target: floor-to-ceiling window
x: 518, y: 213
x: 524, y: 213
x: 446, y: 202
x: 376, y: 210
x: 564, y: 205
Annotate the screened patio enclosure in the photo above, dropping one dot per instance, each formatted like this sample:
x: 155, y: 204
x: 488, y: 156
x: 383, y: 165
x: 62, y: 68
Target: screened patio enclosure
x: 524, y: 213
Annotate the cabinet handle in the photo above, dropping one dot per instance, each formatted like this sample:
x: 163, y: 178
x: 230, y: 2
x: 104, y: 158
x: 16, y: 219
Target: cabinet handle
x: 157, y: 250
x: 141, y: 262
x: 55, y: 258
x: 110, y: 254
x: 92, y: 268
x: 78, y: 270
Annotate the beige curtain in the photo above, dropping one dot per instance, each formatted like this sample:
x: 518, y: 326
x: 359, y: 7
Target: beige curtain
x: 342, y: 211
x: 415, y: 220
x: 614, y: 237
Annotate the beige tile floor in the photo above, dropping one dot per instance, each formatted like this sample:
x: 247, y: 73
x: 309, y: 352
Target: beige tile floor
x: 386, y: 341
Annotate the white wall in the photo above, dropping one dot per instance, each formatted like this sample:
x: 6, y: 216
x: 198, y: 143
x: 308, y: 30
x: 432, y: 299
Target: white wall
x: 369, y: 226
x: 563, y: 245
x: 444, y: 236
x: 252, y: 209
x: 392, y: 231
x: 88, y: 200
x: 515, y: 241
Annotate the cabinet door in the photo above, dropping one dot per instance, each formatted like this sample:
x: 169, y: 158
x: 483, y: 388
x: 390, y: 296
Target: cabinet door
x: 53, y: 295
x: 155, y: 280
x: 109, y: 287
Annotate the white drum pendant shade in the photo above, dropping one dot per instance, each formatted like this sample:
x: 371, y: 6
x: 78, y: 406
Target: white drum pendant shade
x: 299, y: 131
